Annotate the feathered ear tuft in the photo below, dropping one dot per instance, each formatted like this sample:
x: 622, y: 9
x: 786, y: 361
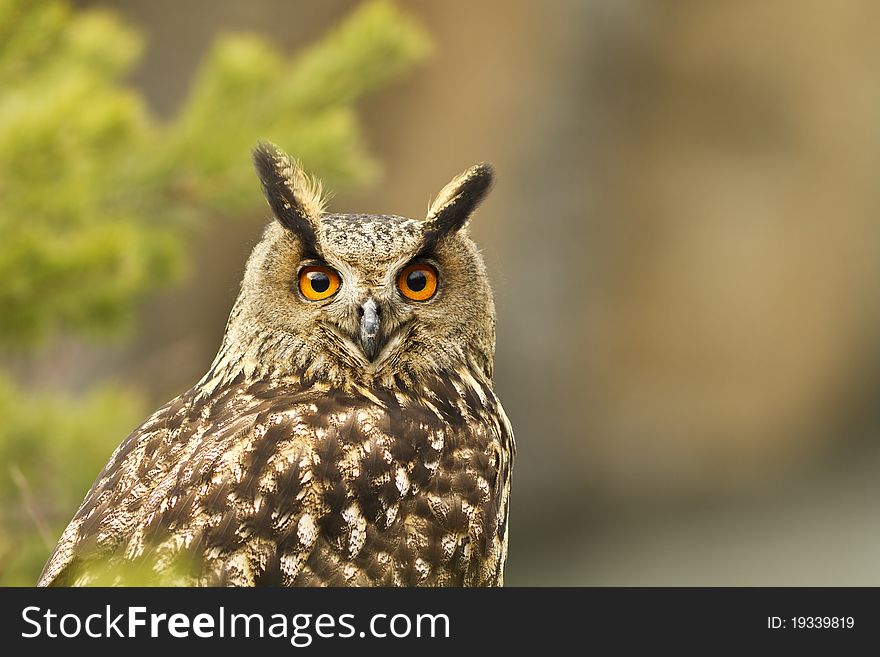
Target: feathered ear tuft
x: 295, y: 198
x: 456, y: 202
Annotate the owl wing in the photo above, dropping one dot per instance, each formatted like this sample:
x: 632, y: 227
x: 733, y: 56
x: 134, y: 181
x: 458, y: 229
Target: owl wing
x: 261, y: 485
x: 172, y: 493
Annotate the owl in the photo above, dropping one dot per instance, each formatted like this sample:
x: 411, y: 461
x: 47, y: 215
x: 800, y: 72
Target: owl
x: 347, y: 432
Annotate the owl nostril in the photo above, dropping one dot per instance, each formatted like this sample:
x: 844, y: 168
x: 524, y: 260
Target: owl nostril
x: 376, y: 310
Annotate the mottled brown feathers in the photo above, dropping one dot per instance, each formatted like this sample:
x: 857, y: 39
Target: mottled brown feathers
x: 291, y: 496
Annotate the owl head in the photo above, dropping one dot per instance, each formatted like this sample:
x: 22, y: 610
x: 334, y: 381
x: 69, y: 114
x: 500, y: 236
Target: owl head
x: 341, y: 297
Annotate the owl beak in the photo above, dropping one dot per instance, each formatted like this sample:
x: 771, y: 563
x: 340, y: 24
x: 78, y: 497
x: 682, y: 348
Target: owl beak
x: 369, y: 328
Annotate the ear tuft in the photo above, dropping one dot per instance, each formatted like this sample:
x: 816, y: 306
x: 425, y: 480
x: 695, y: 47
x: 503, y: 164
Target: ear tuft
x: 456, y: 202
x: 295, y: 198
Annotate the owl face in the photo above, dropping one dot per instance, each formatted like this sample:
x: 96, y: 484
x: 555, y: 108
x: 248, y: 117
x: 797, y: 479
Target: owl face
x: 367, y: 295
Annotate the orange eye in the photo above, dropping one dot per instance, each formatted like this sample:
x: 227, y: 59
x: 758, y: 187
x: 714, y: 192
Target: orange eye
x: 318, y: 283
x: 418, y: 282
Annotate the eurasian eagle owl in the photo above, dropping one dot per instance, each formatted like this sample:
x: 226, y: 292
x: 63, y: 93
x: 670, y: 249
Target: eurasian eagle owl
x: 347, y: 433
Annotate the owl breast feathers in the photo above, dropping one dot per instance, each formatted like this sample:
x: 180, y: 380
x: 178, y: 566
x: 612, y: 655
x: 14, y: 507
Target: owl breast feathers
x: 350, y: 439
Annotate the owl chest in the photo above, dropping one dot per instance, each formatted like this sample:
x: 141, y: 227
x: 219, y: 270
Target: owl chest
x: 335, y: 491
x: 405, y: 502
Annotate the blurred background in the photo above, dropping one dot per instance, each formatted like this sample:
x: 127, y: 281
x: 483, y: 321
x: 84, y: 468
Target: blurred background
x: 683, y: 243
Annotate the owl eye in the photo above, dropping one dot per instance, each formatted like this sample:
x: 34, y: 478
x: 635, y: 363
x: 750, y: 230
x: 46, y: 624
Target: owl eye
x: 418, y: 282
x: 318, y: 283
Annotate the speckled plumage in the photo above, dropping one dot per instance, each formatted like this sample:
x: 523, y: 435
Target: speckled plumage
x: 297, y: 460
